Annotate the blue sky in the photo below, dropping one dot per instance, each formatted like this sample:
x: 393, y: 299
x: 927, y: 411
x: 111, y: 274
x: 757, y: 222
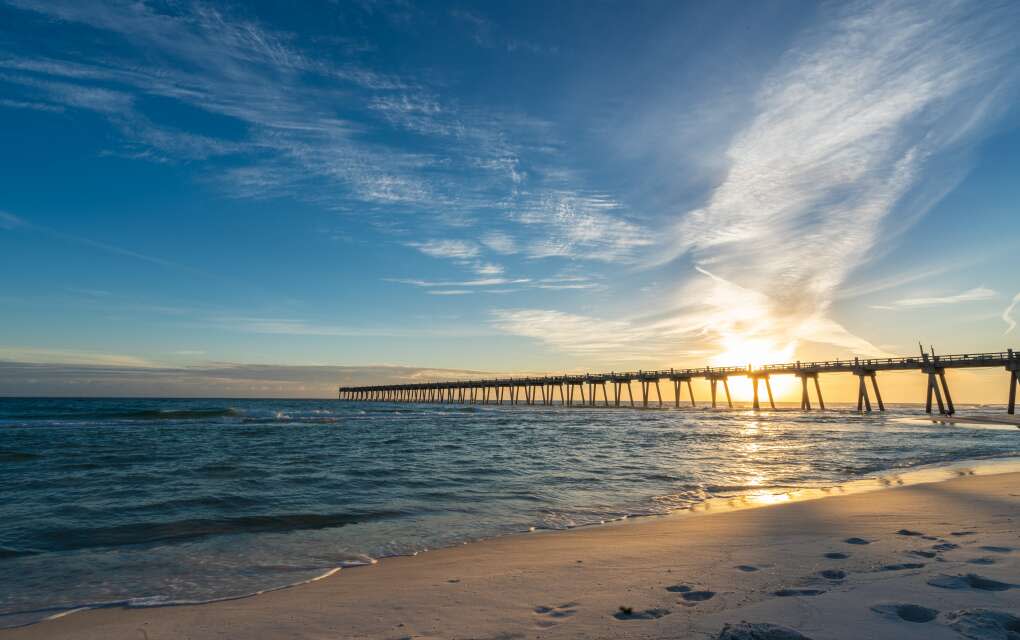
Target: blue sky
x: 242, y: 198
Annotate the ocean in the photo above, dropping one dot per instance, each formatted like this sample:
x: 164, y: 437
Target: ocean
x: 153, y: 502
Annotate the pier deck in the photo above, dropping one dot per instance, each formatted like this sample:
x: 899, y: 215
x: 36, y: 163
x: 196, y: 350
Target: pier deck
x: 571, y: 387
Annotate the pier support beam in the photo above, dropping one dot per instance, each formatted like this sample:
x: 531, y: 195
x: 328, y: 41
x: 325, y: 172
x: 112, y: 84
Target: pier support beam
x: 862, y: 395
x: 1014, y: 382
x: 768, y: 388
x: 933, y: 388
x: 1013, y: 366
x: 714, y: 383
x: 678, y: 384
x: 805, y: 398
x: 950, y: 409
x: 878, y: 394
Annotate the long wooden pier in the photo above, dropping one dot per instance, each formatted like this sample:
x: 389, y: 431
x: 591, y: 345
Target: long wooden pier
x: 571, y: 388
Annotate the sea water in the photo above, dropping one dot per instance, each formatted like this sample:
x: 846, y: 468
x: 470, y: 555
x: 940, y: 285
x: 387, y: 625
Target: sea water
x: 162, y: 501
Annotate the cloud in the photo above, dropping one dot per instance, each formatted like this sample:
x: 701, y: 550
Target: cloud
x: 480, y: 282
x: 1007, y: 314
x: 10, y: 221
x: 488, y: 269
x: 453, y: 249
x: 305, y: 114
x: 582, y: 226
x: 212, y: 380
x: 304, y: 327
x: 601, y: 339
x: 500, y: 242
x: 70, y: 356
x: 34, y: 106
x: 971, y: 295
x: 848, y: 126
x: 486, y: 34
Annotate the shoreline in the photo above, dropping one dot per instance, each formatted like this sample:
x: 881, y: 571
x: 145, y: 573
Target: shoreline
x: 82, y: 623
x: 715, y: 505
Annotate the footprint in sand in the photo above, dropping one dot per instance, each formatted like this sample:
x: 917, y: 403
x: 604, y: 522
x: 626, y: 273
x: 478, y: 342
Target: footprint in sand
x: 982, y: 624
x: 786, y: 593
x: 628, y: 613
x: 945, y: 546
x: 922, y: 554
x: 857, y: 541
x: 746, y: 568
x: 908, y: 532
x: 903, y: 566
x: 969, y: 581
x: 551, y: 616
x: 697, y: 596
x: 906, y: 612
x: 962, y: 533
x: 836, y: 555
x: 982, y: 561
x: 997, y: 549
x: 832, y: 574
x: 759, y: 631
x: 678, y: 588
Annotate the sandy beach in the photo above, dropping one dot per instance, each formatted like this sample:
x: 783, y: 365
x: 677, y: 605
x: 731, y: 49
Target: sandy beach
x: 933, y: 560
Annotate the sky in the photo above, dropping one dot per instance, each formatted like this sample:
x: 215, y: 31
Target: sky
x: 245, y: 199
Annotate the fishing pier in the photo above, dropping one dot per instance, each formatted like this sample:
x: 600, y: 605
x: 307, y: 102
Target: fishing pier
x: 571, y: 388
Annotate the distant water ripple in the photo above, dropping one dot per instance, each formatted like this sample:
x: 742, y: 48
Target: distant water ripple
x: 154, y: 501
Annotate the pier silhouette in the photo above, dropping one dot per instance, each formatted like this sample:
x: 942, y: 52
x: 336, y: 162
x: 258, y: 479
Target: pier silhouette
x: 571, y: 387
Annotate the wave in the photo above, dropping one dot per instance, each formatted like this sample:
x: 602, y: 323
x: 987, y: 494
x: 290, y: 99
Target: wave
x: 18, y: 456
x: 16, y: 553
x: 138, y: 414
x: 190, y: 529
x: 52, y: 613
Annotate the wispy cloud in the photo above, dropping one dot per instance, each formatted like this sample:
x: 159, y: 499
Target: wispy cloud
x: 34, y: 106
x: 480, y: 282
x: 845, y: 129
x: 577, y: 225
x: 286, y: 326
x: 70, y: 356
x: 77, y: 377
x: 485, y: 33
x: 599, y: 339
x: 452, y: 249
x: 306, y: 115
x: 1007, y: 314
x: 488, y: 269
x: 971, y: 295
x: 500, y: 242
x: 10, y: 221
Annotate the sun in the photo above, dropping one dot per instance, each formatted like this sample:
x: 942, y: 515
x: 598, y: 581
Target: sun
x: 741, y: 351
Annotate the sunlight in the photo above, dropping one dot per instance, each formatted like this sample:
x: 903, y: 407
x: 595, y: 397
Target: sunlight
x: 741, y: 351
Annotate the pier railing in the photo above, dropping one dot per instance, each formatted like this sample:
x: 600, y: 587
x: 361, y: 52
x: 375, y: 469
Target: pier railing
x: 526, y: 390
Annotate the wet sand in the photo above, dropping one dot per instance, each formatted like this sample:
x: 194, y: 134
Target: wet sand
x: 934, y: 560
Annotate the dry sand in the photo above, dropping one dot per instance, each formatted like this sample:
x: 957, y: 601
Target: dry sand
x: 935, y: 560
